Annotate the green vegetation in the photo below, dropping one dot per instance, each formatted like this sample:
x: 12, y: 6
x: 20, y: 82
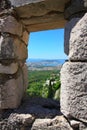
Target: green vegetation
x: 44, y: 83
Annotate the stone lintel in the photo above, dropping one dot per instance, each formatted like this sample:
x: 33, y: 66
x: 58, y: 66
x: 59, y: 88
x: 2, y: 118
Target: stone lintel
x: 40, y: 4
x: 36, y: 14
x: 46, y: 26
x: 46, y: 22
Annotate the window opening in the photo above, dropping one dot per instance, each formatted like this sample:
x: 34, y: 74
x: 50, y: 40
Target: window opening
x: 45, y: 59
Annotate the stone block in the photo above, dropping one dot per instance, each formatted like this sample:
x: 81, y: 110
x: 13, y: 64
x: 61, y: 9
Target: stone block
x: 8, y: 69
x: 20, y: 49
x: 78, y: 125
x: 25, y: 76
x: 25, y: 37
x: 30, y: 8
x: 40, y: 14
x: 78, y: 41
x: 24, y: 119
x: 76, y: 8
x: 74, y: 90
x: 4, y: 4
x: 12, y: 48
x: 10, y: 25
x: 68, y: 28
x: 12, y: 91
x: 57, y: 123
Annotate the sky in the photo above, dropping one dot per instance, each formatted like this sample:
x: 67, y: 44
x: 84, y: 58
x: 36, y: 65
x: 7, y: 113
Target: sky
x: 47, y: 45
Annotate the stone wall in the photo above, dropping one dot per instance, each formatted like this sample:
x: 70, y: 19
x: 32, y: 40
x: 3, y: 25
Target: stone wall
x: 13, y: 53
x: 17, y: 19
x: 74, y: 71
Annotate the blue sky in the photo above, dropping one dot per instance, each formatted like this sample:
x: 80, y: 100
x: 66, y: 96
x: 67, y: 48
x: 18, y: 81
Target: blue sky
x: 47, y: 45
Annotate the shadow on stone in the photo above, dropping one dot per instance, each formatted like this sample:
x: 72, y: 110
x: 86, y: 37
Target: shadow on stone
x: 37, y: 106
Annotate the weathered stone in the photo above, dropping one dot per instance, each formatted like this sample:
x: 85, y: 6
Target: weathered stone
x: 82, y: 126
x: 78, y: 125
x: 41, y: 14
x: 30, y: 8
x: 17, y: 121
x: 75, y: 124
x: 11, y: 92
x: 25, y: 76
x: 55, y: 20
x: 25, y: 37
x: 74, y: 90
x: 4, y: 4
x: 43, y: 19
x: 57, y: 123
x: 12, y: 48
x: 68, y: 28
x: 11, y: 69
x: 40, y: 107
x: 78, y: 41
x: 76, y: 8
x: 46, y: 25
x: 24, y: 119
x: 20, y: 49
x: 9, y: 24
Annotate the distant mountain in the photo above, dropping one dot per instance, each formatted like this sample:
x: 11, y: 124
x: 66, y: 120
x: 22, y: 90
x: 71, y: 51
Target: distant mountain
x: 45, y: 64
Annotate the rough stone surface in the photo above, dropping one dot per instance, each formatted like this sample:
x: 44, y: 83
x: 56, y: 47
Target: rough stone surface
x: 4, y: 4
x: 20, y: 50
x: 68, y: 28
x: 11, y: 69
x: 8, y: 24
x: 11, y: 90
x: 76, y: 8
x: 39, y: 15
x: 43, y: 6
x: 46, y: 25
x: 25, y: 37
x: 17, y: 122
x: 58, y: 123
x: 16, y: 16
x: 75, y: 124
x: 74, y: 90
x: 78, y: 41
x: 25, y: 119
x: 78, y: 125
x: 22, y: 118
x: 25, y: 76
x: 12, y: 48
x: 40, y: 107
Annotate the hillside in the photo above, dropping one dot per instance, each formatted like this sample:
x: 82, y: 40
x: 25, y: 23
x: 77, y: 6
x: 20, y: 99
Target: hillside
x: 45, y: 64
